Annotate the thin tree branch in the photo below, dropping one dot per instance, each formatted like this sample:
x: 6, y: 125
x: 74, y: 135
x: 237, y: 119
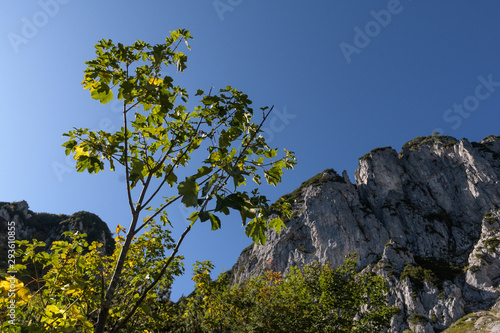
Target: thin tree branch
x: 163, y: 270
x: 156, y: 214
x: 125, y: 153
x: 173, y: 166
x: 153, y: 284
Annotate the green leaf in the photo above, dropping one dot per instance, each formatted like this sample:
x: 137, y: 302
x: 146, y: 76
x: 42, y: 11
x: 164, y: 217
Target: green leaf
x: 233, y: 201
x: 203, y: 216
x: 214, y: 220
x: 189, y: 191
x: 145, y: 307
x: 273, y: 175
x: 193, y: 217
x: 102, y: 92
x: 255, y: 229
x: 70, y: 146
x: 136, y: 172
x: 271, y: 153
x: 204, y: 170
x: 277, y: 224
x: 165, y: 221
x: 171, y: 177
x: 208, y: 185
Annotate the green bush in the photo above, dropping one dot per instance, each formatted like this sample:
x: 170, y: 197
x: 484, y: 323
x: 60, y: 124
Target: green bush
x: 417, y: 318
x: 492, y: 244
x: 418, y: 276
x: 316, y: 298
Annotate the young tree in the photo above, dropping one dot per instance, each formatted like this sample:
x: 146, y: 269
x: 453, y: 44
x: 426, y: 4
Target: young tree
x: 159, y: 136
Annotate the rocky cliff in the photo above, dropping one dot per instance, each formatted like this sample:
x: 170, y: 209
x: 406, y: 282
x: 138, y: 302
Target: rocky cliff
x: 49, y: 227
x: 426, y: 218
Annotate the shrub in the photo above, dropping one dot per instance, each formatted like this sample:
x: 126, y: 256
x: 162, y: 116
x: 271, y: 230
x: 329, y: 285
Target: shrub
x: 314, y: 298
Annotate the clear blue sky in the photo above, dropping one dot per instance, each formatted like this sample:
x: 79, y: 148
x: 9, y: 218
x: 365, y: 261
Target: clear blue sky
x: 344, y: 76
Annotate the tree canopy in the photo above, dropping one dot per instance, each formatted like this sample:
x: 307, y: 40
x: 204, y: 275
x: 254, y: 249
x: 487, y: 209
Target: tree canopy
x: 160, y: 136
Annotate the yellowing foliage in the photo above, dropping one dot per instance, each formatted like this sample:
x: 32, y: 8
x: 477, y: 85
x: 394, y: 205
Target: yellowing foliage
x: 79, y: 151
x: 155, y: 81
x: 11, y: 287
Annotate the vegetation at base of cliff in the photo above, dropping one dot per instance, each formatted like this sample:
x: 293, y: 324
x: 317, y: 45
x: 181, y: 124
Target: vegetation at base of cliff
x: 368, y: 155
x: 418, y: 276
x: 314, y: 181
x: 442, y: 269
x: 463, y: 325
x: 419, y: 141
x: 316, y: 298
x: 481, y: 256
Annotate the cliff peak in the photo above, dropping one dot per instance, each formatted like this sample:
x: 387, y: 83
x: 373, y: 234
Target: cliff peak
x: 427, y: 202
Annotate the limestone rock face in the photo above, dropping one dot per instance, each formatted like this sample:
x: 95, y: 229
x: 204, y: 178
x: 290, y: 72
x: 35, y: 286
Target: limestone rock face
x: 483, y: 273
x: 420, y: 210
x: 49, y: 227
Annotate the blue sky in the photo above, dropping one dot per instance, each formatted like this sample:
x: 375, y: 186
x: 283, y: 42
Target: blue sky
x: 344, y: 76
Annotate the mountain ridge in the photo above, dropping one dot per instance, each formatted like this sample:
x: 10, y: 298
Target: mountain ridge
x: 428, y: 199
x: 47, y: 227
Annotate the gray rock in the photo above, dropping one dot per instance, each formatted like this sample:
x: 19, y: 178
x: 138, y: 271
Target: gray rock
x: 426, y: 202
x: 49, y: 227
x: 482, y: 279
